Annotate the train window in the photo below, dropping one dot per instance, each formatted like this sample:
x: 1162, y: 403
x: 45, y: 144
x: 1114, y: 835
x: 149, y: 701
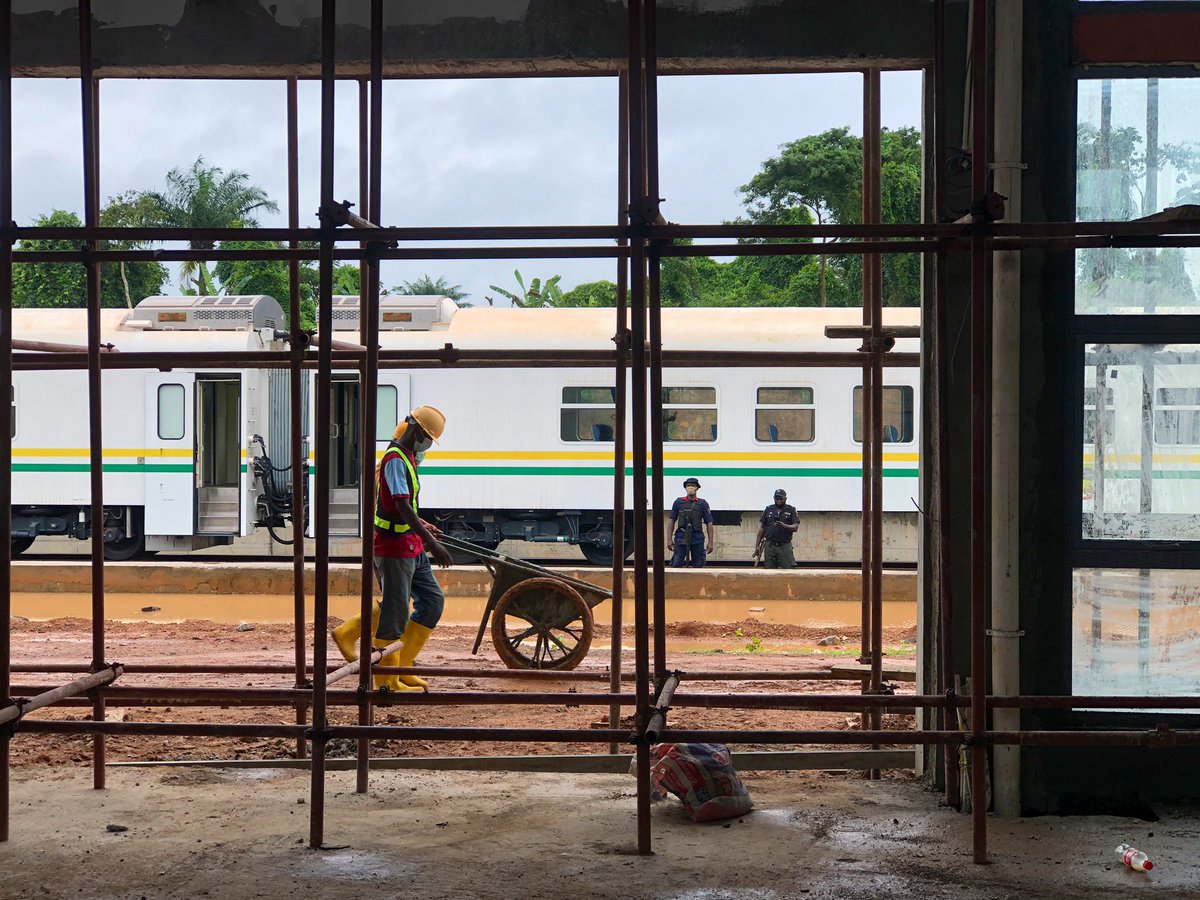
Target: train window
x: 387, y: 412
x: 689, y: 414
x: 172, y: 410
x: 897, y: 414
x: 1091, y: 417
x: 785, y: 415
x: 588, y: 414
x: 1177, y: 416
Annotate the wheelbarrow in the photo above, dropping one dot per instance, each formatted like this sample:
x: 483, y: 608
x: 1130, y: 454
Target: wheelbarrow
x: 540, y: 619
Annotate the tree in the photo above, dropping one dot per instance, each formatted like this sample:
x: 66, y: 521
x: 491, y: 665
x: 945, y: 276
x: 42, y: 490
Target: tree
x: 427, y: 286
x: 822, y: 174
x: 537, y: 294
x: 59, y: 285
x: 204, y: 197
x: 137, y: 280
x: 591, y: 294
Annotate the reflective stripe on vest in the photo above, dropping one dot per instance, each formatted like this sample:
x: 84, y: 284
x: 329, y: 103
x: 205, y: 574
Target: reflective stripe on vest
x: 382, y: 522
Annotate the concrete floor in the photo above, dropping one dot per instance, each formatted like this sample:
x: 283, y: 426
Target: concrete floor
x: 243, y: 834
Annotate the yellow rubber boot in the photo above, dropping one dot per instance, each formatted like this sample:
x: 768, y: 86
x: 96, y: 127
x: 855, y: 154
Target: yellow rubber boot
x: 348, y: 634
x: 415, y: 637
x: 389, y: 682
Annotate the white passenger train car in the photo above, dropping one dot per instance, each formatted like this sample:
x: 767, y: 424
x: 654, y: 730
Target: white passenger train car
x: 196, y: 457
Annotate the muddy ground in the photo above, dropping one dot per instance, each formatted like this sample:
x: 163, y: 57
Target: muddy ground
x: 750, y: 646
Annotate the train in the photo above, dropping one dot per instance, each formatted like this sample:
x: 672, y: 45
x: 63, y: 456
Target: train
x: 201, y: 457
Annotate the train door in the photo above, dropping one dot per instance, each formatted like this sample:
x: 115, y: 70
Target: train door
x: 169, y: 459
x: 218, y: 454
x: 343, y: 433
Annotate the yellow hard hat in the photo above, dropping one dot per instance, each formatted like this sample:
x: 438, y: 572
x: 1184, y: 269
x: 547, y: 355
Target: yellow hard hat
x: 431, y: 419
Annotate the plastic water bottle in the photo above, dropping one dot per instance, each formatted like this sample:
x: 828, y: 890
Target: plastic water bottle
x: 1134, y: 858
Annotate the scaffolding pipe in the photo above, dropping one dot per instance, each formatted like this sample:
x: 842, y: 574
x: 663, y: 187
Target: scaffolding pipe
x: 658, y: 718
x: 6, y: 373
x: 19, y: 709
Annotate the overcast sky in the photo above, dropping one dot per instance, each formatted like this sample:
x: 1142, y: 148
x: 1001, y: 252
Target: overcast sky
x: 456, y: 152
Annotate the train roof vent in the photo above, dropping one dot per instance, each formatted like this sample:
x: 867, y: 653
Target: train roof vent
x: 235, y: 313
x: 398, y: 312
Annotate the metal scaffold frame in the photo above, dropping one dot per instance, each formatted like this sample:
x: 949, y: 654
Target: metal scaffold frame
x: 637, y: 242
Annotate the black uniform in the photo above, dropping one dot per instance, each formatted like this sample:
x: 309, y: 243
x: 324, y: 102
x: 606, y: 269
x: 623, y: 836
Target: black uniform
x: 777, y: 554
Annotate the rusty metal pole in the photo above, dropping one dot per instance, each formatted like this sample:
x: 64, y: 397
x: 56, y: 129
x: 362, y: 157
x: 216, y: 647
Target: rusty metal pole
x: 370, y: 164
x: 980, y: 425
x: 875, y: 263
x: 91, y: 199
x: 622, y: 399
x: 296, y: 403
x: 6, y: 373
x: 866, y: 408
x: 637, y: 305
x: 322, y: 405
x: 948, y: 718
x: 654, y: 309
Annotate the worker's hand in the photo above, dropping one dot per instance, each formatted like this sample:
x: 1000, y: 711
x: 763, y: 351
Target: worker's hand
x: 671, y: 546
x: 708, y: 548
x: 432, y: 529
x: 440, y: 555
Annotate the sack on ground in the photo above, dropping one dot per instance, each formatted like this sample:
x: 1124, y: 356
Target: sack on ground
x: 702, y: 777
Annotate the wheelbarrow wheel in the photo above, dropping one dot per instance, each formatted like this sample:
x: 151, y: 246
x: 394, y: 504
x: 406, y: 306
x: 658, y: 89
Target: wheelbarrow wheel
x: 542, y: 623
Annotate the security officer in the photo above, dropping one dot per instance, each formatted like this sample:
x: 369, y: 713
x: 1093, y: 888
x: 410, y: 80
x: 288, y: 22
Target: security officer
x: 693, y: 517
x: 778, y: 524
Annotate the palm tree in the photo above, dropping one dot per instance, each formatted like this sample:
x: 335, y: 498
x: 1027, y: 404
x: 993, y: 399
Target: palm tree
x: 427, y: 286
x: 206, y: 197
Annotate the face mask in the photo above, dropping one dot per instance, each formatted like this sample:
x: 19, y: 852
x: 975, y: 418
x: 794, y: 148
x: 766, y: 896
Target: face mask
x: 419, y: 456
x: 422, y: 444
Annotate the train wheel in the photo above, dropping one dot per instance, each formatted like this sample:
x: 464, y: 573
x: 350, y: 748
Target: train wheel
x: 603, y: 556
x: 128, y: 547
x: 469, y: 559
x: 542, y: 623
x: 20, y: 545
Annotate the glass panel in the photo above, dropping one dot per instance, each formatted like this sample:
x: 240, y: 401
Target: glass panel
x: 897, y: 414
x: 1138, y: 152
x: 387, y: 412
x: 785, y: 395
x: 590, y: 395
x: 171, y: 412
x: 681, y: 424
x: 678, y: 395
x: 783, y: 425
x: 1135, y: 632
x: 585, y: 424
x: 1143, y: 481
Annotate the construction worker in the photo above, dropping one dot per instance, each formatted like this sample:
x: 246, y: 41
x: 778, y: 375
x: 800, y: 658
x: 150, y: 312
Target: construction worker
x: 777, y: 526
x: 694, y: 516
x: 403, y: 544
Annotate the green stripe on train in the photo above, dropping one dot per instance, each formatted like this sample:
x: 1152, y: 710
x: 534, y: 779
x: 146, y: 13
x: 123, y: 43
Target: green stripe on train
x: 1168, y: 474
x: 773, y: 471
x: 108, y: 467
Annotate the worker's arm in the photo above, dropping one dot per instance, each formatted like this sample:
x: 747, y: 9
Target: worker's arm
x: 711, y: 537
x: 439, y: 553
x: 671, y: 533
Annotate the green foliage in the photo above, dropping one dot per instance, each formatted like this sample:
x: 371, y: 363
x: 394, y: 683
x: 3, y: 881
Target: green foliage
x: 65, y: 284
x: 426, y: 285
x: 537, y: 294
x: 591, y: 294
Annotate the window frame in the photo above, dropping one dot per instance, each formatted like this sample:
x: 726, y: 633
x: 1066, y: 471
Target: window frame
x: 563, y: 406
x: 715, y: 406
x: 856, y: 389
x: 158, y: 411
x: 760, y: 406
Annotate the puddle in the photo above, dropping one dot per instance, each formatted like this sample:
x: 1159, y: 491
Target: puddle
x: 235, y: 609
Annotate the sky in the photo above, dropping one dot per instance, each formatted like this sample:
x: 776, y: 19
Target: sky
x: 456, y: 152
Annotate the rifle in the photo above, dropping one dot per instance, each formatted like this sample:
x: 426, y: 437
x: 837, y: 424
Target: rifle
x: 758, y: 551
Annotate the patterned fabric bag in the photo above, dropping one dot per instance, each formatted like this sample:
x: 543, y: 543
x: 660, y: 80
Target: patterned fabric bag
x: 702, y: 777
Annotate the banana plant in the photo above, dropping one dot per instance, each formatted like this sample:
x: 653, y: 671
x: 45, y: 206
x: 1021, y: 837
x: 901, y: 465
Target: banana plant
x: 537, y: 294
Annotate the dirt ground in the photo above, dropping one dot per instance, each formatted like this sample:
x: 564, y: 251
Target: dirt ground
x: 243, y: 833
x: 748, y: 647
